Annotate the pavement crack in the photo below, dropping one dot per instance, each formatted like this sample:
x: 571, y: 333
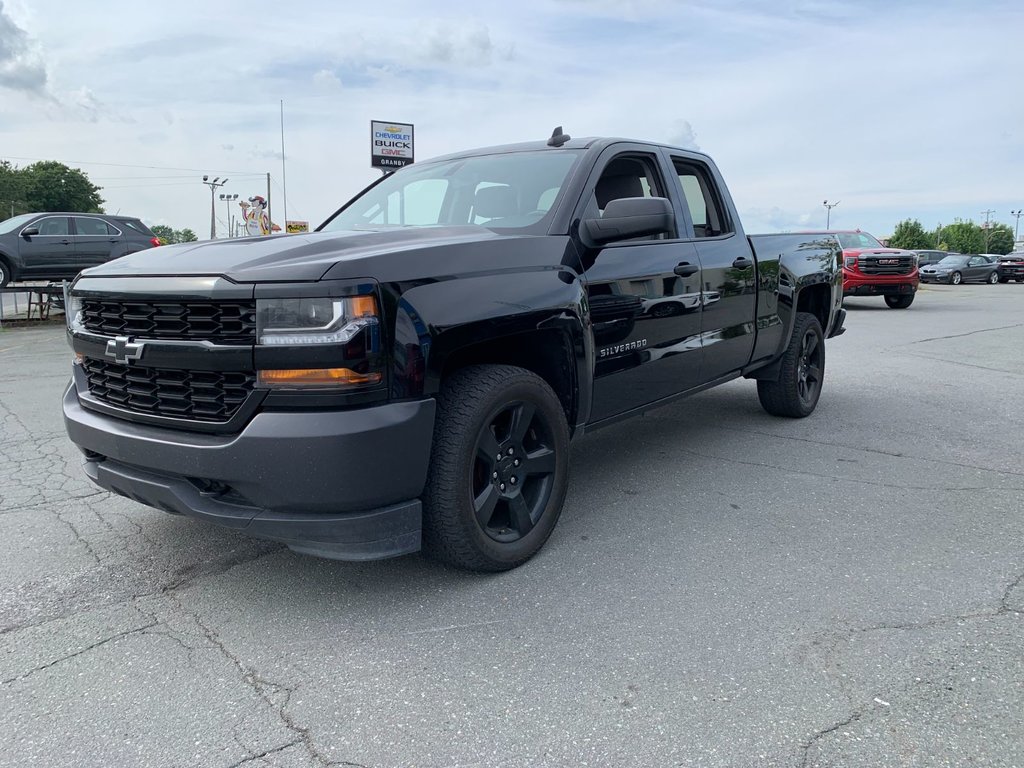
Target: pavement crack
x: 267, y: 753
x: 70, y: 656
x: 823, y: 733
x: 969, y: 333
x: 263, y: 688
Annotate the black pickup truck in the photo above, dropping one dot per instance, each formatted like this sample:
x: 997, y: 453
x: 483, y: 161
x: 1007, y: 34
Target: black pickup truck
x: 411, y: 374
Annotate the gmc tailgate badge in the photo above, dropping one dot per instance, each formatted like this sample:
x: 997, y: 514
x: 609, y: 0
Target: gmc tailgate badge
x: 123, y: 349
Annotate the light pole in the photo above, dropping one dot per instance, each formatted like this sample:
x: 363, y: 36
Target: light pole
x: 228, y: 199
x: 828, y: 216
x: 213, y: 185
x: 1017, y: 214
x: 986, y: 226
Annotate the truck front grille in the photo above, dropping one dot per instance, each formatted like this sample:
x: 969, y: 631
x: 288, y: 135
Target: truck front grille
x: 213, y: 396
x: 886, y: 265
x: 222, y: 322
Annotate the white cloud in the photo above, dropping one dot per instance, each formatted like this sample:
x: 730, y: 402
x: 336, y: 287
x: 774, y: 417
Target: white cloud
x: 796, y: 101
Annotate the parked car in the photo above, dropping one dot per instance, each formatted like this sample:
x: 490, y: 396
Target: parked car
x: 926, y: 258
x: 1010, y: 266
x: 872, y: 269
x: 57, y: 246
x: 961, y: 268
x: 414, y: 373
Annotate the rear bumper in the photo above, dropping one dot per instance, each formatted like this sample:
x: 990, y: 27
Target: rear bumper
x: 340, y: 484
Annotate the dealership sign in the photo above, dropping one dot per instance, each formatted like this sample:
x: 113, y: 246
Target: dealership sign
x: 391, y: 145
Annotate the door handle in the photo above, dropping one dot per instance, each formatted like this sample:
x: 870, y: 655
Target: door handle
x: 685, y: 269
x: 742, y: 263
x: 65, y: 242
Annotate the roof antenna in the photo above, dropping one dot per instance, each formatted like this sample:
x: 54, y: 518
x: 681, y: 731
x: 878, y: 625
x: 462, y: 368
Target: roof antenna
x: 558, y: 138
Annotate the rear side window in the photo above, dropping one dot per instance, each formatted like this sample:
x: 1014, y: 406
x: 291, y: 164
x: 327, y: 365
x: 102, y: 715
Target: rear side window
x: 706, y: 209
x: 136, y: 225
x: 90, y: 226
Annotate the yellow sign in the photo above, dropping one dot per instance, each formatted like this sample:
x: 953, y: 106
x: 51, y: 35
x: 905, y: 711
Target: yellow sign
x: 291, y: 227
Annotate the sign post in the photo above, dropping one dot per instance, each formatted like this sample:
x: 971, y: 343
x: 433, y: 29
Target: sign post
x: 391, y: 145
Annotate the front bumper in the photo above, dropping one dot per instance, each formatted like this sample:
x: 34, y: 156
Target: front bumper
x: 338, y: 484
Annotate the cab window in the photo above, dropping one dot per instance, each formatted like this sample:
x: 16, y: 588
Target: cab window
x: 702, y: 200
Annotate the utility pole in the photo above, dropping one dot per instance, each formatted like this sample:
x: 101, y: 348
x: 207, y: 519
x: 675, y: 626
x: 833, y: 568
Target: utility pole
x: 213, y: 185
x: 270, y: 218
x: 1016, y: 227
x: 828, y: 216
x: 284, y: 177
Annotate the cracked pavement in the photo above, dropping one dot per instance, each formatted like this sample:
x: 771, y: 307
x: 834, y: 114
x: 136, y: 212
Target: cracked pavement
x: 724, y: 589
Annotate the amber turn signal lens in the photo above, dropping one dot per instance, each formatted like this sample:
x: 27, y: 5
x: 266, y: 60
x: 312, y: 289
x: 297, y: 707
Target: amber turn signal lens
x: 363, y: 306
x: 315, y: 377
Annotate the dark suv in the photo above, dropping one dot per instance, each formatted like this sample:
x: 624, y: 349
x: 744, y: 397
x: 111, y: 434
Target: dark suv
x: 57, y: 246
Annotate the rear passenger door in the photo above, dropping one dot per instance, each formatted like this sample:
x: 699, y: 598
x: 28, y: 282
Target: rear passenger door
x: 643, y: 294
x: 95, y: 241
x: 729, y: 283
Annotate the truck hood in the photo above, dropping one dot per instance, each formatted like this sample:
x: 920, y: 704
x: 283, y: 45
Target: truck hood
x: 877, y: 252
x: 301, y: 257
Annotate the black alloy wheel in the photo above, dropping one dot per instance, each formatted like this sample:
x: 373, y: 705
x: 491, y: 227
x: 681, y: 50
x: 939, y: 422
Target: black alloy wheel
x: 499, y: 468
x: 956, y: 278
x: 801, y: 373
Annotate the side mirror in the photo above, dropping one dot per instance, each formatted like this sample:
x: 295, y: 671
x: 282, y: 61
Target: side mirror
x: 29, y: 231
x: 630, y: 217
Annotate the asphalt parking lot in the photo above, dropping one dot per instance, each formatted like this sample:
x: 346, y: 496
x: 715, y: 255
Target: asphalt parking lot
x: 724, y: 589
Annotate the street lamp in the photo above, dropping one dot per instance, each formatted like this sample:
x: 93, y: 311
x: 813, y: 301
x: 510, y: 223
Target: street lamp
x: 213, y: 185
x: 228, y: 199
x: 828, y: 216
x: 1017, y: 214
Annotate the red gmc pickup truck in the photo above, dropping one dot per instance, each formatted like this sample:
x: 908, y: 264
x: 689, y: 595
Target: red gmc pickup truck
x: 871, y: 269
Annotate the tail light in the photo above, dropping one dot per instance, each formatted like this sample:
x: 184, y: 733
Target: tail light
x: 154, y: 241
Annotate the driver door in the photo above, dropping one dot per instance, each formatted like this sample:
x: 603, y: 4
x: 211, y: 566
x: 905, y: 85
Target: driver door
x: 51, y: 253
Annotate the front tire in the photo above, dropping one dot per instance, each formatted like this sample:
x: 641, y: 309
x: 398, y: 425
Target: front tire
x: 802, y: 372
x: 956, y: 278
x: 499, y: 469
x: 5, y: 274
x: 899, y: 302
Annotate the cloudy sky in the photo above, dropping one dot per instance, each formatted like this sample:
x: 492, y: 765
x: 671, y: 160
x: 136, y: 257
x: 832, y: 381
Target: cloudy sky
x: 894, y: 108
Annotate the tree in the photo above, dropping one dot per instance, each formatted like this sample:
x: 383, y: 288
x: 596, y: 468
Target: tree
x: 169, y: 236
x: 52, y: 186
x: 964, y: 237
x: 910, y: 234
x: 1000, y: 239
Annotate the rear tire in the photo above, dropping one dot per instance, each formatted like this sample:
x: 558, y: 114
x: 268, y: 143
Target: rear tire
x: 5, y: 273
x: 801, y: 375
x: 498, y: 470
x: 994, y: 278
x: 899, y: 302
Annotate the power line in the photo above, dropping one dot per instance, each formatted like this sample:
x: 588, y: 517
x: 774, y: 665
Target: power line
x: 128, y: 165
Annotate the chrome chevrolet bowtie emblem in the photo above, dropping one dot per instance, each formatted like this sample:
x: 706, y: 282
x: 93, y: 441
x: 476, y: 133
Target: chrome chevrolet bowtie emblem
x: 123, y: 349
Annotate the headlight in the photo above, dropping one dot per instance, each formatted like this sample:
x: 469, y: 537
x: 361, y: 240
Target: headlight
x: 314, y: 321
x: 73, y: 312
x: 850, y: 262
x: 296, y: 322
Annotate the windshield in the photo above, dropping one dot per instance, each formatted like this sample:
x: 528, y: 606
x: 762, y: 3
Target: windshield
x: 512, y: 191
x: 952, y: 261
x: 16, y: 222
x: 858, y: 240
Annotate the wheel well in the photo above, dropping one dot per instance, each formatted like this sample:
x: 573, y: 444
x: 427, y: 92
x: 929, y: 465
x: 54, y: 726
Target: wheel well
x: 546, y: 353
x: 815, y: 299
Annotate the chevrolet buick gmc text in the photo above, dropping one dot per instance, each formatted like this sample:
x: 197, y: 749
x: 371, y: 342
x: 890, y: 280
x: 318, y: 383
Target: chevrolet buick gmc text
x: 412, y: 372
